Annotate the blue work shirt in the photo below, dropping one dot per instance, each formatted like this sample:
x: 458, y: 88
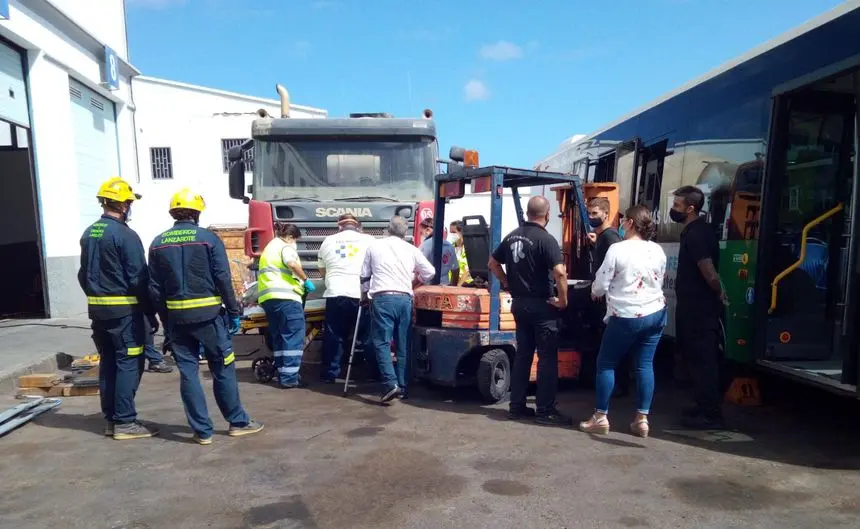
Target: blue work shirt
x: 190, y: 275
x: 113, y: 271
x: 449, y: 258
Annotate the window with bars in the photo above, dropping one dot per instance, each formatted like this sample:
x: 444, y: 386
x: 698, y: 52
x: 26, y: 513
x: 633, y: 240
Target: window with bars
x: 248, y: 156
x: 162, y: 163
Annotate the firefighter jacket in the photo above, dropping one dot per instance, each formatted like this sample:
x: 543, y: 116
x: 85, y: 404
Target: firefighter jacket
x: 113, y: 272
x: 190, y: 275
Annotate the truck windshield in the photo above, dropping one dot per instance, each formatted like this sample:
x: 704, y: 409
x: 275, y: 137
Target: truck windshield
x: 400, y: 169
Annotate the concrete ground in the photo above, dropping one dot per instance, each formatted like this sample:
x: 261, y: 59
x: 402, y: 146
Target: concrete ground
x: 439, y: 460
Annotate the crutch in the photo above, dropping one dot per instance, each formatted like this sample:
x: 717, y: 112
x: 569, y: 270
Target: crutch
x: 352, y: 352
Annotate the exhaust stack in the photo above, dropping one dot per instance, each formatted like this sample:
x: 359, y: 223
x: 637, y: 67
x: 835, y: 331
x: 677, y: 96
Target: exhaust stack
x: 285, y: 100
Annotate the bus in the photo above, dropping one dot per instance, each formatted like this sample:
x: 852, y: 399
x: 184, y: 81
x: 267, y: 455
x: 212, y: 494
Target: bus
x: 771, y: 138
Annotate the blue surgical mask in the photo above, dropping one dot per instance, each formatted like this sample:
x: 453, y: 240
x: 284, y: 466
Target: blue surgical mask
x: 621, y: 231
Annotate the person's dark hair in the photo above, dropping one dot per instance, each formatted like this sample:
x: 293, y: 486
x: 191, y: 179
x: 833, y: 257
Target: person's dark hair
x: 692, y: 196
x: 285, y: 229
x: 183, y: 214
x: 348, y: 219
x: 427, y: 223
x: 601, y: 203
x: 643, y: 224
x: 457, y: 225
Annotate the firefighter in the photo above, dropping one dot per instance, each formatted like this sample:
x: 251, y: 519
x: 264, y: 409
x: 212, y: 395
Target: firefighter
x: 113, y: 275
x: 189, y: 282
x: 282, y: 286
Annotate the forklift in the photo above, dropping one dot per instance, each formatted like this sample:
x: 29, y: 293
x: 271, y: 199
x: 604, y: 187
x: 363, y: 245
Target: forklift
x: 466, y: 336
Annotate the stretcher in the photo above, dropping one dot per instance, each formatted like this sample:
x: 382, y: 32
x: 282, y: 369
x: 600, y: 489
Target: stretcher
x: 254, y: 344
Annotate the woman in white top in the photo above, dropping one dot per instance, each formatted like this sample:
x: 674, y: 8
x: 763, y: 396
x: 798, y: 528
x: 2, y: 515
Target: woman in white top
x: 631, y: 278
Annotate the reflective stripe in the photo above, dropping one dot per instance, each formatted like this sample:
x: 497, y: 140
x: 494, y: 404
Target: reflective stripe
x: 294, y: 353
x: 288, y: 370
x: 111, y: 300
x: 135, y: 351
x: 229, y: 358
x: 271, y: 269
x: 181, y: 304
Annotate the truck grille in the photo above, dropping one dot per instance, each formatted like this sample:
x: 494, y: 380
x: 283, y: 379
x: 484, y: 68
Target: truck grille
x: 376, y: 231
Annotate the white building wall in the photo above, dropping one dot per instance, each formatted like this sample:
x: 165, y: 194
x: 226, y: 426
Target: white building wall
x: 192, y: 121
x: 58, y: 48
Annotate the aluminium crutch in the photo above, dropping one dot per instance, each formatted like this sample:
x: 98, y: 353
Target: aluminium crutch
x: 352, y: 352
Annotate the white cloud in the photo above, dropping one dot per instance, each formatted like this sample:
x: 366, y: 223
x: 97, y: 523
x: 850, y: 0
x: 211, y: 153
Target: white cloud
x: 501, y: 51
x: 476, y: 90
x: 154, y: 4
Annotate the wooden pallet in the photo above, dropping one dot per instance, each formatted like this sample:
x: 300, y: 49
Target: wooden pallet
x: 83, y: 384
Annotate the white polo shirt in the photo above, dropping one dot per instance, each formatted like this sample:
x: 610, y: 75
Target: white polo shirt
x: 342, y: 255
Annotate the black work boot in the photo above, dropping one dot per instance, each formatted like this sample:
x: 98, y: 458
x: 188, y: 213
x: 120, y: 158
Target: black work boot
x: 553, y: 418
x: 519, y: 413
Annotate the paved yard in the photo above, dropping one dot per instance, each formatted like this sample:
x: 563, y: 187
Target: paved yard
x: 432, y: 462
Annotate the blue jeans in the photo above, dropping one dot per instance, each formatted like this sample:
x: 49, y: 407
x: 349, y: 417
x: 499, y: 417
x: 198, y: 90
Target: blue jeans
x: 120, y: 343
x: 287, y: 331
x: 637, y: 337
x: 391, y: 319
x: 153, y: 355
x: 217, y: 345
x: 340, y: 315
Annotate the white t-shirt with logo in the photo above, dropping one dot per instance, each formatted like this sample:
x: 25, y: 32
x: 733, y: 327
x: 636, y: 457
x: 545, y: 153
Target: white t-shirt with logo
x: 341, y: 255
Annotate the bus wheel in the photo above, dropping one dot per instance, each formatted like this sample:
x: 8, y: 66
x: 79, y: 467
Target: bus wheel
x: 494, y: 375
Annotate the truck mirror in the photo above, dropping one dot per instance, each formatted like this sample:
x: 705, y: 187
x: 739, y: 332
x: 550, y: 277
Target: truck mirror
x: 234, y: 154
x: 237, y: 179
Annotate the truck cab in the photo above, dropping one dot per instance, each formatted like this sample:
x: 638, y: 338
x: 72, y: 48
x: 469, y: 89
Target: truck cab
x: 308, y: 172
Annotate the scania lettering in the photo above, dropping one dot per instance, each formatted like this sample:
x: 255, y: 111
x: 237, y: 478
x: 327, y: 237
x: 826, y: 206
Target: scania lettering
x: 359, y: 213
x: 310, y: 171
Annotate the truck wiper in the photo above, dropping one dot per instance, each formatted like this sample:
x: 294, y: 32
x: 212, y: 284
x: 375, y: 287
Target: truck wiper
x: 364, y: 199
x: 296, y: 199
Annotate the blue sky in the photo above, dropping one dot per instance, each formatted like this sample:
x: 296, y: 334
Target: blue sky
x: 509, y: 81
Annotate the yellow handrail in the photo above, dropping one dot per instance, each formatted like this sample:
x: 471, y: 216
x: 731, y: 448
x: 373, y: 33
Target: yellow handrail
x: 803, y: 235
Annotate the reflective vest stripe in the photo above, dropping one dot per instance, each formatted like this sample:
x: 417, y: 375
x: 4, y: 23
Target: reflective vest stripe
x: 183, y: 304
x: 111, y: 300
x: 275, y: 280
x: 135, y: 351
x: 229, y: 359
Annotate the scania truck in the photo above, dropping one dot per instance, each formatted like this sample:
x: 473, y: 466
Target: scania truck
x: 310, y: 171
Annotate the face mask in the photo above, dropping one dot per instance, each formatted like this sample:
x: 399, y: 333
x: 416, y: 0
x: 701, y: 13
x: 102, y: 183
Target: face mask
x: 621, y: 231
x: 127, y: 216
x: 453, y: 238
x: 595, y: 222
x: 677, y: 216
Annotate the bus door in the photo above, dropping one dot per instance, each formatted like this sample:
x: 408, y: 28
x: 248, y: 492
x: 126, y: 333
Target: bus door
x: 805, y: 242
x: 626, y: 164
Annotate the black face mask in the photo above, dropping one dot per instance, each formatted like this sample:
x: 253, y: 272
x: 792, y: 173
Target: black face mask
x: 677, y: 216
x: 595, y: 222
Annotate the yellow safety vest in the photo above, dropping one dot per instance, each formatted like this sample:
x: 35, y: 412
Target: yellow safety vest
x: 275, y: 280
x: 463, y: 264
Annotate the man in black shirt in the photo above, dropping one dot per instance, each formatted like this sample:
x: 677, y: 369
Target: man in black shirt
x: 700, y: 300
x: 604, y: 236
x: 533, y: 259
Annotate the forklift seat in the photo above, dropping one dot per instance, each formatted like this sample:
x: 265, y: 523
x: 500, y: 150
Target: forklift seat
x: 476, y: 241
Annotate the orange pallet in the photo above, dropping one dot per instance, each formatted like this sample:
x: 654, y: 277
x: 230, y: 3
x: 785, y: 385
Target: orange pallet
x: 569, y: 364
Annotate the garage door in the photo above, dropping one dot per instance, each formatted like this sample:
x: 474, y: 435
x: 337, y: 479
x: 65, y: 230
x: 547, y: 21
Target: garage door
x: 13, y: 95
x: 94, y: 123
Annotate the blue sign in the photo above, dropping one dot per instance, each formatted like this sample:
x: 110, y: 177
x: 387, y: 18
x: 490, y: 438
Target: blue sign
x: 4, y: 9
x: 111, y: 66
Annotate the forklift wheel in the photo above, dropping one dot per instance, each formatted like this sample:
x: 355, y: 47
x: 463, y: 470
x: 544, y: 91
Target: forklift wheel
x: 494, y: 375
x: 264, y: 370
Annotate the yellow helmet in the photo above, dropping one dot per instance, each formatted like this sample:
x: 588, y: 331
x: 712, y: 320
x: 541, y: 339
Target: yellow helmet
x: 187, y: 199
x: 118, y: 190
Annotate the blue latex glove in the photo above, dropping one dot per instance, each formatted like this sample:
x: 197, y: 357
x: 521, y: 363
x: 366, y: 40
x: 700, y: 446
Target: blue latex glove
x: 235, y: 325
x: 309, y: 286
